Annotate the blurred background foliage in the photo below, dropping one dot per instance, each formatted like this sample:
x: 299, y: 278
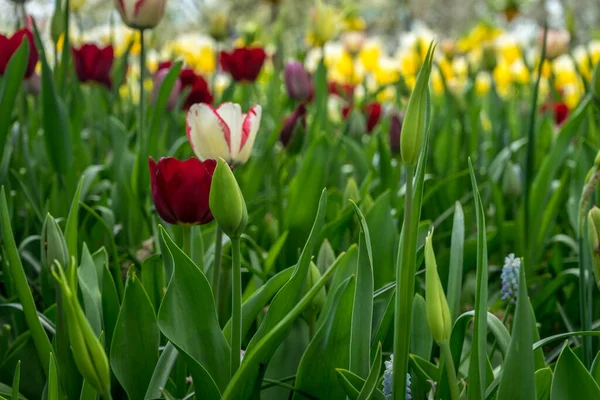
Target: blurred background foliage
x: 384, y: 18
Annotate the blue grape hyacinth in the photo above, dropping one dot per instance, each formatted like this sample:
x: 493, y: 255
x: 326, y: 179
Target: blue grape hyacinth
x: 388, y: 378
x: 510, y: 278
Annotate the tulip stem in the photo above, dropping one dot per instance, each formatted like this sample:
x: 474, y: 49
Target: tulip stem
x: 450, y: 369
x: 405, y: 278
x: 236, y: 307
x: 141, y: 137
x: 186, y: 239
x: 216, y: 273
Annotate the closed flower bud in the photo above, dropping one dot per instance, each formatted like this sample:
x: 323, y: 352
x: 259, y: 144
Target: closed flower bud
x: 88, y: 353
x: 319, y: 300
x: 76, y: 5
x: 438, y: 312
x: 510, y: 278
x: 595, y: 85
x: 297, y: 81
x: 511, y: 182
x: 326, y: 256
x: 396, y: 131
x: 227, y: 202
x: 141, y: 14
x: 413, y: 127
x: 351, y: 192
x: 594, y: 240
x: 292, y: 132
x: 325, y: 24
x: 218, y: 26
x: 57, y: 24
x: 353, y: 41
x: 54, y: 246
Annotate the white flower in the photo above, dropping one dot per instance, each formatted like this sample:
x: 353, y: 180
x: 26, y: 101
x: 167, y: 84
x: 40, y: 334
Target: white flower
x: 141, y: 14
x: 223, y: 132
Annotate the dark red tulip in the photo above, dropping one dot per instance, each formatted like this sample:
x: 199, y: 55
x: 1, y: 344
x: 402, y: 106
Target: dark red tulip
x: 196, y: 84
x: 373, y: 113
x: 559, y: 109
x: 180, y: 189
x: 395, y: 131
x: 297, y: 81
x: 244, y: 63
x: 293, y: 123
x: 9, y: 45
x: 93, y: 64
x: 345, y: 90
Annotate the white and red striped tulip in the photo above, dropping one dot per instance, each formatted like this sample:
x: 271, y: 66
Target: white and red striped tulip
x: 223, y: 132
x: 141, y: 14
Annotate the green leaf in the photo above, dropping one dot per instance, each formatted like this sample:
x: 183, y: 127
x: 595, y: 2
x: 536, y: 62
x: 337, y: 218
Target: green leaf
x: 571, y: 380
x: 87, y: 277
x: 21, y: 286
x: 362, y: 313
x: 595, y: 370
x: 329, y: 348
x: 518, y: 379
x: 110, y: 307
x: 88, y: 392
x: 134, y: 348
x: 477, y: 366
x: 560, y: 336
x: 188, y: 318
x: 72, y: 220
x: 421, y: 338
x: 161, y: 103
x: 370, y: 385
x: 57, y: 136
x: 17, y: 380
x: 154, y: 279
x: 161, y: 373
x: 455, y: 274
x: 53, y: 383
x: 543, y: 382
x: 9, y: 87
x: 427, y: 370
x: 257, y: 302
x: 384, y: 239
x: 352, y: 382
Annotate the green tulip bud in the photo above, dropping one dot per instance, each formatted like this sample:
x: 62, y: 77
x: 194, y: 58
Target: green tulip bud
x: 595, y: 85
x: 326, y: 257
x: 438, y: 312
x: 227, y: 202
x: 54, y: 246
x: 351, y: 192
x: 511, y: 182
x: 57, y: 24
x: 318, y: 301
x: 413, y: 127
x: 594, y: 240
x: 88, y: 352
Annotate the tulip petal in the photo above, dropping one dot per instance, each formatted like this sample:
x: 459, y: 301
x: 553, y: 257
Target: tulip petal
x: 208, y: 133
x: 231, y: 113
x: 249, y: 130
x: 158, y: 185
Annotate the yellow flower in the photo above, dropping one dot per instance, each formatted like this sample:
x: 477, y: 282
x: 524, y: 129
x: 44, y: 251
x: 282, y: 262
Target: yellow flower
x: 483, y: 83
x: 355, y: 23
x: 445, y: 68
x: 369, y: 55
x: 325, y: 24
x: 437, y: 84
x: 387, y: 72
x: 520, y: 72
x: 503, y: 78
x: 197, y: 51
x: 387, y: 95
x: 410, y: 62
x: 479, y: 35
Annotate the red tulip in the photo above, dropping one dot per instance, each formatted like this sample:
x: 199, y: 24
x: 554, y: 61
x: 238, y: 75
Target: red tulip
x: 373, y: 112
x: 396, y: 131
x: 290, y: 135
x: 93, y: 64
x: 9, y: 45
x: 199, y: 90
x: 345, y: 90
x: 180, y: 189
x: 559, y: 109
x: 298, y: 82
x: 244, y: 64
